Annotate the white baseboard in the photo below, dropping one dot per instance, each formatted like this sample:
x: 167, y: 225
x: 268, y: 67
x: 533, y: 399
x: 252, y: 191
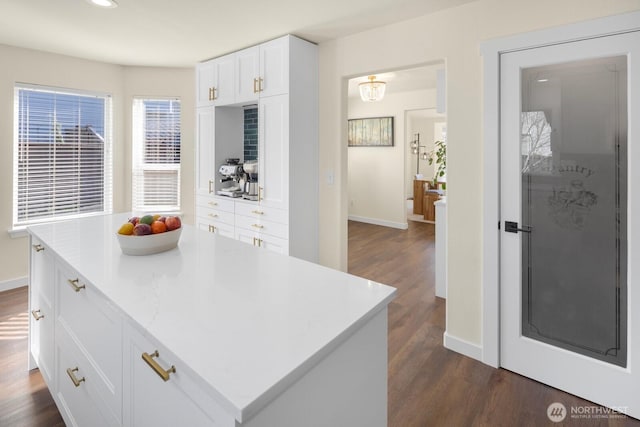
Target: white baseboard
x: 461, y: 346
x: 13, y: 283
x: 401, y: 226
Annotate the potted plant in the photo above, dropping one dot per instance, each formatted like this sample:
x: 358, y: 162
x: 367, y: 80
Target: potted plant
x: 439, y: 156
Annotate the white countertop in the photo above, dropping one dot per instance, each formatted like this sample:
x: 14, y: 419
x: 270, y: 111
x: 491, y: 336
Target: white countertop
x: 248, y: 321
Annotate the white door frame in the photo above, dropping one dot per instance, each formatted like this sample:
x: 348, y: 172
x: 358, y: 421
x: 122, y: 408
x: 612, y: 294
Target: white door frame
x: 491, y: 51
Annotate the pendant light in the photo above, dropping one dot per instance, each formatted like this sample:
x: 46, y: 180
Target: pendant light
x: 372, y: 90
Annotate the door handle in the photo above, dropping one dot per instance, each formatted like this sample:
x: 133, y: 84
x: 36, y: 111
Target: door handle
x: 512, y: 227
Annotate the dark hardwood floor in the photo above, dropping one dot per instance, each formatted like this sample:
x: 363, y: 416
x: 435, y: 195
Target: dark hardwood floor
x: 428, y: 384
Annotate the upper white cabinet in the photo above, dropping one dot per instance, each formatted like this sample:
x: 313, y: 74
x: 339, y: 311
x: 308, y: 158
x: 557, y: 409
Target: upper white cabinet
x: 215, y: 81
x: 274, y: 68
x: 248, y: 74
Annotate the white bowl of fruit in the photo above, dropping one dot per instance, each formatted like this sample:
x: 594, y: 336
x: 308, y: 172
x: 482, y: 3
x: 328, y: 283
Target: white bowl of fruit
x: 149, y: 234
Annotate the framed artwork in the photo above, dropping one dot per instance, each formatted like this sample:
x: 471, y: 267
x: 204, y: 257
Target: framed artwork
x: 371, y: 132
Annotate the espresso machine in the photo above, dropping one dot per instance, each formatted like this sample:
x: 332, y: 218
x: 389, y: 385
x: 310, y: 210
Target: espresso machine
x: 250, y: 168
x: 232, y: 175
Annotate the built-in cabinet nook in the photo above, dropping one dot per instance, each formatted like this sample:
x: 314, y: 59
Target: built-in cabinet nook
x: 265, y: 194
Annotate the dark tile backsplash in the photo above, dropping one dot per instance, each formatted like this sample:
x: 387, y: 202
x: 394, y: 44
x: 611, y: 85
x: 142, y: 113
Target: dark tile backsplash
x: 250, y: 134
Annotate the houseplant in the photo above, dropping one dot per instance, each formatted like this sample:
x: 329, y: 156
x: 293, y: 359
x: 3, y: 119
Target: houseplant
x: 439, y: 156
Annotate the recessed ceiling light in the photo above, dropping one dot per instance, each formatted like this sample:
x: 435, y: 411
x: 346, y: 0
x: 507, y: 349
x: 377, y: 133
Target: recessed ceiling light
x: 104, y: 3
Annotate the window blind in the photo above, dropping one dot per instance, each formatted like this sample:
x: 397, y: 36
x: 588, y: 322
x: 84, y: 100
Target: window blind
x: 62, y: 154
x: 156, y: 155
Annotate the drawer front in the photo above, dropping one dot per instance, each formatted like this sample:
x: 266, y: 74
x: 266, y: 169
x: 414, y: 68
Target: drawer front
x: 215, y: 227
x: 179, y: 401
x: 79, y: 404
x: 96, y: 326
x: 253, y: 210
x: 219, y: 203
x: 215, y: 215
x: 262, y: 226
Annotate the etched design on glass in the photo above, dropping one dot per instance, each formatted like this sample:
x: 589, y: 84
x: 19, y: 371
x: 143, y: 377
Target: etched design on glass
x: 570, y: 205
x: 535, y: 142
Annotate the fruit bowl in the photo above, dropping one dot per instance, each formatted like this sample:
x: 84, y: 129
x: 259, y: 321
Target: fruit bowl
x: 149, y: 244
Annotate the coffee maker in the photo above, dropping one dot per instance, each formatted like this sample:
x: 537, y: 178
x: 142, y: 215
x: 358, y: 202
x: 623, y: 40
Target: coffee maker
x: 250, y: 168
x: 232, y: 174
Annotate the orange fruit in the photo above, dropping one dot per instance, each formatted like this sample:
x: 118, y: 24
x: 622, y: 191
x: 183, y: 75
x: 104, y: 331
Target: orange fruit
x: 158, y: 227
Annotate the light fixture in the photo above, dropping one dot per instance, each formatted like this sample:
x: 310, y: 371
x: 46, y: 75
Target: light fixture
x: 108, y: 4
x: 372, y: 90
x: 415, y: 149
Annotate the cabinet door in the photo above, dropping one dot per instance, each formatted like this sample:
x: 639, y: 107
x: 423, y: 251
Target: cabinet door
x: 274, y: 151
x: 42, y: 319
x: 204, y: 83
x: 274, y: 67
x: 247, y: 74
x: 175, y: 402
x: 250, y: 237
x: 205, y: 151
x: 224, y: 77
x: 274, y: 244
x: 215, y: 227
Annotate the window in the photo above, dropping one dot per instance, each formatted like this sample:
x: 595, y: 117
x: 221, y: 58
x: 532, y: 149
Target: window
x: 156, y: 155
x: 62, y: 154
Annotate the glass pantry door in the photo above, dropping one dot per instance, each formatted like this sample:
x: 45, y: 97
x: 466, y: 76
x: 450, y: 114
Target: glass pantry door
x: 567, y: 135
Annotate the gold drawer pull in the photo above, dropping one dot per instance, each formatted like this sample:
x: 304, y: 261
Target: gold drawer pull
x: 212, y: 203
x: 258, y: 212
x: 257, y: 225
x: 212, y: 229
x: 74, y: 284
x: 76, y: 382
x: 38, y: 248
x: 156, y: 367
x: 257, y: 242
x: 36, y: 314
x: 213, y: 215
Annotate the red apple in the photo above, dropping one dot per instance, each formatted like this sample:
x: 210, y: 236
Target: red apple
x: 162, y: 219
x: 134, y: 220
x: 172, y: 223
x: 141, y: 229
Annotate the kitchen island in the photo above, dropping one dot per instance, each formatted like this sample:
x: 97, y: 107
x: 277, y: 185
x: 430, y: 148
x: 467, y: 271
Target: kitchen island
x: 213, y: 332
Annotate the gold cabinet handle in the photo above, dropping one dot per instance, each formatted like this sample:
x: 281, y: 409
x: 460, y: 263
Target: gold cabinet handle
x: 76, y: 382
x: 257, y: 226
x: 211, y: 94
x: 210, y: 184
x: 260, y: 80
x: 212, y: 203
x: 213, y: 215
x: 38, y: 248
x: 257, y: 242
x: 36, y: 314
x: 260, y: 190
x: 212, y: 229
x: 215, y: 96
x: 255, y: 86
x: 156, y: 367
x: 74, y: 284
x: 258, y: 212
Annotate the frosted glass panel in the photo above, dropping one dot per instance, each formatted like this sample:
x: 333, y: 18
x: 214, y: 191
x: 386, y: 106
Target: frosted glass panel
x: 574, y: 202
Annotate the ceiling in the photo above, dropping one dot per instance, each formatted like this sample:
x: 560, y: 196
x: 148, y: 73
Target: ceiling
x: 183, y: 32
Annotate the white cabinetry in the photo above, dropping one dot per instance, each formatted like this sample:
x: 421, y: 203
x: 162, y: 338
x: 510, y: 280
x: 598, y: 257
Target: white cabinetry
x: 215, y: 81
x: 42, y: 317
x: 162, y: 392
x: 281, y: 78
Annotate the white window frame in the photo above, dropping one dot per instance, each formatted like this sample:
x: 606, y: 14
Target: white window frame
x: 139, y: 166
x: 19, y: 226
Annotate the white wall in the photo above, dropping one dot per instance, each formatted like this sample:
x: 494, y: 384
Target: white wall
x: 455, y: 35
x: 376, y: 174
x: 29, y: 66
